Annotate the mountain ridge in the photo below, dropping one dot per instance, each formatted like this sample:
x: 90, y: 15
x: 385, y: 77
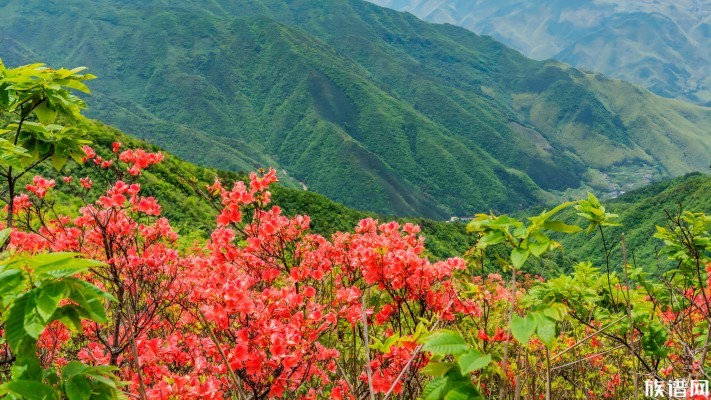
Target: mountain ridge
x: 662, y: 45
x: 370, y: 107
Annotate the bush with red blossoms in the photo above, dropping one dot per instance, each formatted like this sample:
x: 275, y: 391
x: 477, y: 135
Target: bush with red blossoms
x: 264, y: 308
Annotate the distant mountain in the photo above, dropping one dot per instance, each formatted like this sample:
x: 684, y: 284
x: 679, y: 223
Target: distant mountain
x: 663, y: 45
x: 368, y: 106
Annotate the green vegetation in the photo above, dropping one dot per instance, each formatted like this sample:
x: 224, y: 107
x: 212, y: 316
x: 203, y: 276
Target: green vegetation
x: 370, y: 107
x: 640, y: 212
x: 663, y: 45
x: 37, y: 291
x: 173, y: 182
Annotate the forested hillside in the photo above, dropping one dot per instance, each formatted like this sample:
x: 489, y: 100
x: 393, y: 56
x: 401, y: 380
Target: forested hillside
x: 370, y: 107
x: 177, y: 184
x: 640, y: 212
x: 127, y: 272
x: 664, y: 45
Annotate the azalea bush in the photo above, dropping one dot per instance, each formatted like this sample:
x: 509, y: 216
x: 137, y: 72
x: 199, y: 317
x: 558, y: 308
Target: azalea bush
x: 265, y: 308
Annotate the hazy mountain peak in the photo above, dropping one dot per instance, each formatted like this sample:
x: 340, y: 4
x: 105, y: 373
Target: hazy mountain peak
x: 664, y: 45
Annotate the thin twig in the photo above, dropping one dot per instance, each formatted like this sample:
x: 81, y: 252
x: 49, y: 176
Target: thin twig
x: 367, y: 348
x: 587, y: 358
x: 629, y: 315
x: 417, y: 351
x: 587, y: 337
x: 231, y: 373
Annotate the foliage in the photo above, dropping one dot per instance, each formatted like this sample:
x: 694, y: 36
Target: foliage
x: 267, y: 308
x: 640, y: 212
x: 34, y: 101
x: 40, y: 291
x: 388, y: 113
x: 610, y: 43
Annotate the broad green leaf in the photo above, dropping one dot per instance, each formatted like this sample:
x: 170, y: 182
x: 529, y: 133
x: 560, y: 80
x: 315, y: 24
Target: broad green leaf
x: 545, y: 328
x: 27, y: 365
x: 523, y: 328
x: 69, y: 316
x: 12, y: 282
x: 555, y: 311
x: 545, y: 215
x: 504, y: 221
x: 463, y: 391
x: 50, y: 376
x: 538, y: 243
x: 77, y: 387
x: 436, y: 368
x: 48, y: 298
x: 519, y: 256
x: 445, y: 342
x: 435, y: 389
x: 74, y: 368
x: 45, y: 114
x: 30, y: 390
x: 74, y: 84
x: 15, y: 323
x: 58, y: 161
x: 559, y: 226
x: 5, y: 235
x: 473, y: 360
x: 89, y: 298
x: 60, y: 265
x: 34, y: 324
x: 491, y: 239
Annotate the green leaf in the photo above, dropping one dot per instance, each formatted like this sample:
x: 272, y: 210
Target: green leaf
x: 436, y: 368
x: 555, y: 311
x: 74, y: 368
x: 89, y: 298
x: 435, y: 389
x: 15, y: 324
x: 12, y: 282
x: 523, y: 328
x: 60, y: 265
x: 504, y: 221
x: 445, y: 342
x: 30, y: 390
x: 560, y: 226
x: 545, y: 215
x: 27, y: 365
x: 58, y: 161
x: 34, y: 324
x: 545, y: 328
x: 5, y: 235
x: 463, y: 391
x: 69, y: 316
x: 77, y: 388
x: 45, y: 114
x: 519, y: 256
x: 538, y: 243
x: 48, y: 298
x: 473, y: 360
x: 491, y: 239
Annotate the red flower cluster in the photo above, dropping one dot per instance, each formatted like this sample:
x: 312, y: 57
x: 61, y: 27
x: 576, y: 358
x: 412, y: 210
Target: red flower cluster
x: 262, y: 307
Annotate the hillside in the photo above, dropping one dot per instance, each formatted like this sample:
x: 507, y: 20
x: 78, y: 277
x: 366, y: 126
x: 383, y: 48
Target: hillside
x: 194, y: 218
x: 639, y: 213
x: 664, y: 46
x: 370, y: 107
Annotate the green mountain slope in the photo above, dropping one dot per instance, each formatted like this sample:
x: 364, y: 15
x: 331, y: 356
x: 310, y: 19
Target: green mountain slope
x: 662, y: 45
x: 194, y: 218
x: 639, y: 213
x: 373, y: 108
